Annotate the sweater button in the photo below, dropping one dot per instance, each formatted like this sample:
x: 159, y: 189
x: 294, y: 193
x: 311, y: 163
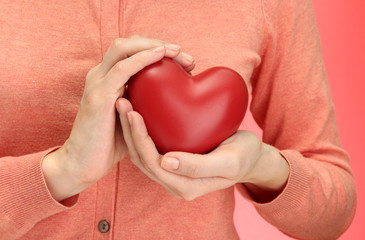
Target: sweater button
x: 103, y: 226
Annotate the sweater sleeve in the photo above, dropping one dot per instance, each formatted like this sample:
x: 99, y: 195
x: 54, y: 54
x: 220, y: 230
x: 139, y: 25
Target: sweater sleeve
x: 24, y: 196
x: 291, y: 102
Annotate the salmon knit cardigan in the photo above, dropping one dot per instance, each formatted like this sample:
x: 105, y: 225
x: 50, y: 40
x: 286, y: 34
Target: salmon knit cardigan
x: 47, y: 47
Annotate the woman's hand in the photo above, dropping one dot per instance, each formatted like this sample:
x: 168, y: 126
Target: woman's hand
x: 241, y: 158
x: 96, y: 143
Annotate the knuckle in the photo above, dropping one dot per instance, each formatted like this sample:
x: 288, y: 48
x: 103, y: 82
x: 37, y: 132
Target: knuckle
x: 92, y: 72
x: 118, y: 44
x: 119, y: 68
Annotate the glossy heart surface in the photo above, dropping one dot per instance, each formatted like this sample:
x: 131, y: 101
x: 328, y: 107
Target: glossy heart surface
x: 188, y: 113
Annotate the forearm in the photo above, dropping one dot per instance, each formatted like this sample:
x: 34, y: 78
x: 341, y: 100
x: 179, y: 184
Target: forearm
x: 318, y: 201
x: 300, y: 195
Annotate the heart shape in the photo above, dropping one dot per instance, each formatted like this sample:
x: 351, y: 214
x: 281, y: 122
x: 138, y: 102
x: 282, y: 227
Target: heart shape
x: 185, y: 113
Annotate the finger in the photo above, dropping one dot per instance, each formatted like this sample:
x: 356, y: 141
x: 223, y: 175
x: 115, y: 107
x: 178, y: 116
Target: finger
x: 222, y: 162
x: 148, y: 153
x: 172, y: 50
x: 183, y: 186
x: 144, y: 144
x: 122, y: 48
x: 118, y: 133
x: 124, y: 106
x: 186, y: 61
x: 123, y: 70
x: 190, y: 68
x: 186, y: 187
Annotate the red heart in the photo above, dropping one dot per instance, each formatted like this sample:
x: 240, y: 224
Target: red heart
x: 185, y: 113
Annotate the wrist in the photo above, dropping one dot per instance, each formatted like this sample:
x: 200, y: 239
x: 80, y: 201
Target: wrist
x: 59, y: 179
x: 269, y: 176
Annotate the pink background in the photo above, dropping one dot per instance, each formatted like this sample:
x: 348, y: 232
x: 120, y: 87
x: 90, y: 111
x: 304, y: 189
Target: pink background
x: 341, y: 25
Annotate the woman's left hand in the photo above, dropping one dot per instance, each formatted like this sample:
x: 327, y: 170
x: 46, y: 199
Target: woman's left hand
x: 242, y: 158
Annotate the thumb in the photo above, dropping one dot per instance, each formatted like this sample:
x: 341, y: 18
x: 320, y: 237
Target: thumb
x: 219, y: 163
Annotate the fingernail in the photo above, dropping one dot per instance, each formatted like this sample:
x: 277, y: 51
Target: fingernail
x: 170, y: 163
x: 158, y: 49
x: 188, y: 57
x: 172, y: 47
x: 129, y: 116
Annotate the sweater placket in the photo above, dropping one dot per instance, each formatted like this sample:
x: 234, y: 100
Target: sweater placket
x: 107, y: 186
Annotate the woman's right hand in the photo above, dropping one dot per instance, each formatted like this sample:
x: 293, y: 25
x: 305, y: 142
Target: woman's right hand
x: 96, y: 141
